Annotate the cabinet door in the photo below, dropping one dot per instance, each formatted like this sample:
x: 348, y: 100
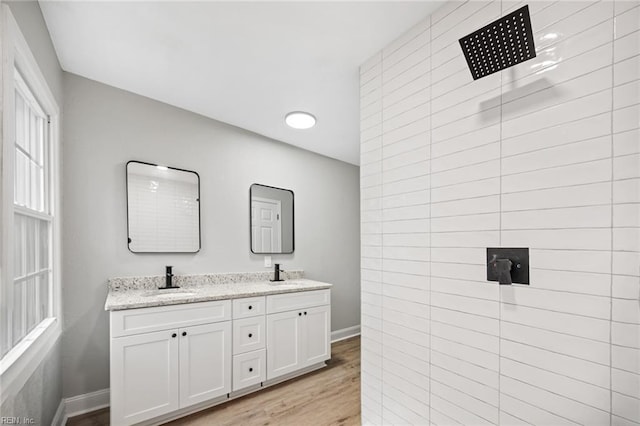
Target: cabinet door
x: 283, y: 343
x: 316, y: 333
x: 144, y: 376
x: 205, y: 362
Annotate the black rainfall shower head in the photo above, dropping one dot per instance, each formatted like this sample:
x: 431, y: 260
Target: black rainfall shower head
x: 499, y: 45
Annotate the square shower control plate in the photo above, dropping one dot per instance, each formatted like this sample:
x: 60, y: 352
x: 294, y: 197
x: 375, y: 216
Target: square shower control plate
x: 501, y: 44
x: 518, y: 256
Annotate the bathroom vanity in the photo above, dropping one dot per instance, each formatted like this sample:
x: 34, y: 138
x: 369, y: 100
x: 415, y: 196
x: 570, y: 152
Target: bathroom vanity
x: 217, y: 337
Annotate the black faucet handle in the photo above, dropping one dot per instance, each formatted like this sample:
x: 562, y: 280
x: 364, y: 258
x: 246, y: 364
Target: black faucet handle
x: 169, y: 270
x: 503, y: 267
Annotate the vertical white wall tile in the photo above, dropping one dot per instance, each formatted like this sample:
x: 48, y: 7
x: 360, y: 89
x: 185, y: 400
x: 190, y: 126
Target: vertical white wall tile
x: 625, y: 379
x: 371, y: 238
x: 405, y: 231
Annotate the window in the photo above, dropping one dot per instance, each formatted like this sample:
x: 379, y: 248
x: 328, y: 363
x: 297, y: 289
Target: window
x: 30, y: 322
x: 32, y: 219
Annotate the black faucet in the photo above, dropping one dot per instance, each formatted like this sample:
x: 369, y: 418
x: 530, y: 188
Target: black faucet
x: 276, y: 273
x: 168, y: 279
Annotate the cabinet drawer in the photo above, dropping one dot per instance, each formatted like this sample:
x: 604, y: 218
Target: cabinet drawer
x: 248, y: 334
x: 302, y: 299
x: 145, y: 320
x: 248, y: 307
x: 249, y: 369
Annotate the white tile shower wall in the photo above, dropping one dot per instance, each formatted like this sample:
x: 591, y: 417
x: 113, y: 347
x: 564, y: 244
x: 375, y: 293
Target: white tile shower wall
x: 544, y: 155
x: 405, y: 229
x: 371, y: 239
x: 625, y: 325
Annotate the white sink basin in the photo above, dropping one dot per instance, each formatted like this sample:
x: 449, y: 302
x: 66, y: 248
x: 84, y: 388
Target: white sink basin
x: 292, y: 283
x: 167, y: 294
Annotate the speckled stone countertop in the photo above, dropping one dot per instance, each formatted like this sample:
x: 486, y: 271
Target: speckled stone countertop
x: 142, y: 292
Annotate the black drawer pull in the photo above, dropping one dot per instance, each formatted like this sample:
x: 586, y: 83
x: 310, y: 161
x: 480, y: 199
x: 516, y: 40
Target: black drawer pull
x: 250, y: 369
x: 184, y: 333
x: 174, y: 335
x: 250, y: 307
x: 250, y: 335
x: 299, y: 313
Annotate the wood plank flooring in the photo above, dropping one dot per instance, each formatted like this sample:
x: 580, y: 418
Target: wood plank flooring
x: 330, y: 396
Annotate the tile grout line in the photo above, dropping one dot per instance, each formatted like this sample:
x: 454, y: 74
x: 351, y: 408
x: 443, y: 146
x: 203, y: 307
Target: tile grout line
x: 500, y: 237
x: 381, y: 221
x: 613, y: 44
x: 404, y: 45
x: 430, y: 204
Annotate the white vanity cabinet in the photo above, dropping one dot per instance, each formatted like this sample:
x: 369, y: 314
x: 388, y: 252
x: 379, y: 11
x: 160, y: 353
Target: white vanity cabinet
x: 298, y: 331
x: 155, y: 373
x: 168, y: 361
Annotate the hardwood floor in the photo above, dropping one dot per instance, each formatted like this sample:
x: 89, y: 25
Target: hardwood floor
x: 330, y: 396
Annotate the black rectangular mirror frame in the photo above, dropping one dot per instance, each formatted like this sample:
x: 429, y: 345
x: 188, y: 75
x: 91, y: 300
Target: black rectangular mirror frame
x: 293, y: 221
x: 126, y: 177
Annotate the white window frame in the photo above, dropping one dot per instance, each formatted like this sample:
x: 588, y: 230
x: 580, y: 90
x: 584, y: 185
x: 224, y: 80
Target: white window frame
x: 20, y: 362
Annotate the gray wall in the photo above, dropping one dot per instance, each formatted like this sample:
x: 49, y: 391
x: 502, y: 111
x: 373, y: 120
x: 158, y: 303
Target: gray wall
x: 40, y: 396
x: 106, y: 127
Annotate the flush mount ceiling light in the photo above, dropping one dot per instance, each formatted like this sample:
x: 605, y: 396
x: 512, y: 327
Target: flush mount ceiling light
x: 300, y: 120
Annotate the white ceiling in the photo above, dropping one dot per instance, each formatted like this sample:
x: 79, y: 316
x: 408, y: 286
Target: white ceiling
x: 243, y: 63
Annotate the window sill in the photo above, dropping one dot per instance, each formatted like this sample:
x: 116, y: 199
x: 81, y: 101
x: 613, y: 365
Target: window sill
x: 18, y: 365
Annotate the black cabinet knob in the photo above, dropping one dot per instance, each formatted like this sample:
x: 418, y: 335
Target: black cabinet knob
x: 250, y: 307
x: 305, y: 313
x: 299, y: 313
x: 174, y: 335
x: 250, y: 335
x: 250, y: 369
x: 184, y: 333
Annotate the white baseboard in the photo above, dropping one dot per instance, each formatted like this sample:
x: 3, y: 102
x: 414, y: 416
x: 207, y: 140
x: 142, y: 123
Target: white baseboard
x: 345, y: 333
x: 93, y: 401
x: 59, y: 419
x: 86, y: 403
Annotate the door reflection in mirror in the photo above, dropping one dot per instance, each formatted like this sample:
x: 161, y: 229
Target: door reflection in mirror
x: 271, y: 213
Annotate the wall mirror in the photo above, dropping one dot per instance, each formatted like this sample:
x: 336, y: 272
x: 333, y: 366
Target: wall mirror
x: 271, y: 211
x: 163, y: 209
